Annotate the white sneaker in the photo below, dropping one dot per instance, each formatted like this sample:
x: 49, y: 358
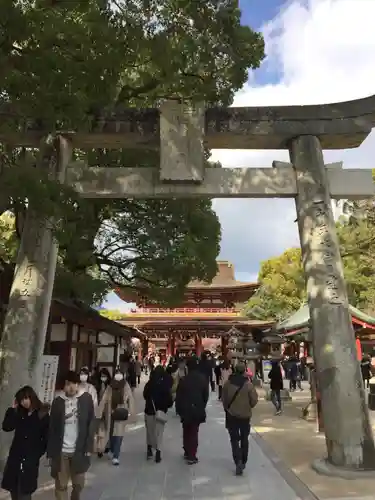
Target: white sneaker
x: 115, y: 461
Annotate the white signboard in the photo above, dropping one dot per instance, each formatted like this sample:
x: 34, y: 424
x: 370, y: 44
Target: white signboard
x: 266, y: 366
x: 47, y: 378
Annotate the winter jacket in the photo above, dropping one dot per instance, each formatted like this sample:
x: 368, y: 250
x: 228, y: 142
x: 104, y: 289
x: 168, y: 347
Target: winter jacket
x: 157, y: 396
x: 246, y: 398
x: 191, y: 398
x: 28, y: 445
x: 105, y: 409
x: 85, y: 439
x: 276, y: 378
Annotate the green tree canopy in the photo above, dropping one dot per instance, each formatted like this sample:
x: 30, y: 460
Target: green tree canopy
x: 66, y: 66
x: 282, y: 287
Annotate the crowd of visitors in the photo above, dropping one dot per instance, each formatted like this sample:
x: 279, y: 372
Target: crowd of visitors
x: 90, y: 414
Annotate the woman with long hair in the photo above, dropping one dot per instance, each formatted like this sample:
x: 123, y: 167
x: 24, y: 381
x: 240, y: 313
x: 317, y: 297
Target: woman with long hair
x: 28, y: 418
x: 116, y: 406
x: 102, y: 381
x: 85, y: 385
x: 158, y: 399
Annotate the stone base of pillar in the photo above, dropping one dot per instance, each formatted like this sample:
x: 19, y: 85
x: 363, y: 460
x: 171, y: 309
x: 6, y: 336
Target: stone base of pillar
x: 325, y: 468
x: 310, y: 412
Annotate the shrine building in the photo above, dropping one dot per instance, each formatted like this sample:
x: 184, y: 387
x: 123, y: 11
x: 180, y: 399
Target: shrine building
x: 208, y: 315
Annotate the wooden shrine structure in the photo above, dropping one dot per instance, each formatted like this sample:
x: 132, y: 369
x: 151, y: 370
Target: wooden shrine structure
x: 297, y: 328
x: 208, y: 311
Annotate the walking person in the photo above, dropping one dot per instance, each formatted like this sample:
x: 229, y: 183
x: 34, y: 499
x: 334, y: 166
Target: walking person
x: 366, y: 371
x: 29, y: 420
x: 293, y: 374
x: 138, y: 369
x: 225, y: 372
x: 276, y: 385
x: 86, y: 386
x: 206, y: 368
x: 131, y: 375
x: 116, y: 406
x: 217, y: 371
x: 191, y: 401
x: 103, y: 420
x: 71, y: 438
x: 239, y: 398
x: 158, y: 399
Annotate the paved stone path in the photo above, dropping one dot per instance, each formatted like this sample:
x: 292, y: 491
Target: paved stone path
x: 212, y: 479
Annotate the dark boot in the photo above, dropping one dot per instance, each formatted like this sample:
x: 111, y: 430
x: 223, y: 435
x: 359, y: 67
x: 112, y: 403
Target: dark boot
x: 157, y: 456
x: 149, y: 452
x: 239, y: 469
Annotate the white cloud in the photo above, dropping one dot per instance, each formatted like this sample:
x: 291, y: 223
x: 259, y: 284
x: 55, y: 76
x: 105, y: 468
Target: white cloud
x: 324, y: 50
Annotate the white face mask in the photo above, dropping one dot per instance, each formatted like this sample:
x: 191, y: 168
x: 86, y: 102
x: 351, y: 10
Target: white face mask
x: 119, y: 376
x: 83, y: 377
x: 103, y: 379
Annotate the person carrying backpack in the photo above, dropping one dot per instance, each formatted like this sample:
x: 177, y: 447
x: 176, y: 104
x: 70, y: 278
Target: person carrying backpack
x: 239, y: 397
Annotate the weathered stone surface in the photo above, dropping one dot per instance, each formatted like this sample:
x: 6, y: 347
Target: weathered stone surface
x: 181, y: 142
x: 338, y: 126
x: 25, y: 324
x: 218, y: 183
x: 346, y: 421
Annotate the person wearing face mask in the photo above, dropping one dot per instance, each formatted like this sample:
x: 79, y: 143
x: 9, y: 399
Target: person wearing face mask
x: 29, y: 420
x: 85, y: 386
x: 71, y: 438
x: 116, y: 405
x: 103, y: 380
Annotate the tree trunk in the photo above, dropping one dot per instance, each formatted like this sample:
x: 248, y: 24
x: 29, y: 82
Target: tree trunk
x: 346, y: 420
x: 26, y: 320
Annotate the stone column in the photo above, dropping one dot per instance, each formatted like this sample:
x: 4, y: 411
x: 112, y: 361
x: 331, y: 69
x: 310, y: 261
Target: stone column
x: 347, y: 427
x: 26, y: 321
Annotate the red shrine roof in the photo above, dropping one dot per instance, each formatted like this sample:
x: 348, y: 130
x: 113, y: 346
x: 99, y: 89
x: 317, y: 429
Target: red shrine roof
x: 223, y: 285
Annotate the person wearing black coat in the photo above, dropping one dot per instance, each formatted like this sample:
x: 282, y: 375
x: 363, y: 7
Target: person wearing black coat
x: 158, y: 398
x: 29, y: 420
x: 206, y: 368
x: 191, y: 401
x: 276, y: 385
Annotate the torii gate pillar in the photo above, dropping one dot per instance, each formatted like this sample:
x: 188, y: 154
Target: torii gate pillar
x: 347, y: 426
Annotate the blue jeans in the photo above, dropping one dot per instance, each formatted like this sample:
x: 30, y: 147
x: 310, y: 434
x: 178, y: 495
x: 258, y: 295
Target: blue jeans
x: 115, y: 443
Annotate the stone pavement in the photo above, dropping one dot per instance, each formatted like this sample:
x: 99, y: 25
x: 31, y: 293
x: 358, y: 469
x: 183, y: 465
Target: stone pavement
x: 295, y: 443
x: 212, y: 479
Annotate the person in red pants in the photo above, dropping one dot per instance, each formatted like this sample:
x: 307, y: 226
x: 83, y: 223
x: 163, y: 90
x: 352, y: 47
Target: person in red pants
x: 191, y: 401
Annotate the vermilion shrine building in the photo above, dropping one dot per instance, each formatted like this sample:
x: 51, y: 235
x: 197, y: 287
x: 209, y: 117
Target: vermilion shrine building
x: 208, y: 311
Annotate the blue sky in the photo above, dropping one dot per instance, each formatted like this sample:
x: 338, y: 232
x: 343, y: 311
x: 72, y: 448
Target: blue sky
x: 256, y: 13
x: 310, y: 60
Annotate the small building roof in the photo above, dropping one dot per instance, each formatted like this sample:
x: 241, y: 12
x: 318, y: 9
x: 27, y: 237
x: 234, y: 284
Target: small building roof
x: 88, y: 317
x: 301, y: 318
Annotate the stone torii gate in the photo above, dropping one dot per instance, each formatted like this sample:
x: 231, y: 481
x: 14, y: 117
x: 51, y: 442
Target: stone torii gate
x: 181, y: 132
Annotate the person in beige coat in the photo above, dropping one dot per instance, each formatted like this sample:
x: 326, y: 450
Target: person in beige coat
x: 116, y: 405
x: 103, y: 425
